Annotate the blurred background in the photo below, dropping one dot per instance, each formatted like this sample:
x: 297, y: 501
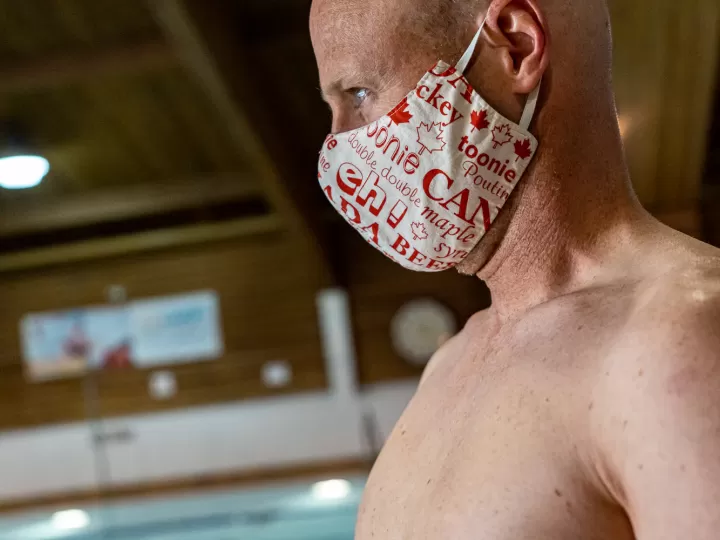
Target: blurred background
x: 192, y: 345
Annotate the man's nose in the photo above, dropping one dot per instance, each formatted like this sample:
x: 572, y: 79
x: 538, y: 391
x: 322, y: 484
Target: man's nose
x: 345, y: 121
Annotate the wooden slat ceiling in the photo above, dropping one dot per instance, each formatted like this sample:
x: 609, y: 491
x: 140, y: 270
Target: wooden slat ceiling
x: 123, y: 131
x: 123, y: 127
x: 33, y: 28
x: 127, y: 102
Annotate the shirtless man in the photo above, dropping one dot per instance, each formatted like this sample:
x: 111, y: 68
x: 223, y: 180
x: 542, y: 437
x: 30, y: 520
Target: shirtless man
x: 585, y: 403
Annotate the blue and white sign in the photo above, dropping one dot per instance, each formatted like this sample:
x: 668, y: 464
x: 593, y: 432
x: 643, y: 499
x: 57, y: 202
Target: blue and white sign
x: 140, y: 334
x: 176, y: 329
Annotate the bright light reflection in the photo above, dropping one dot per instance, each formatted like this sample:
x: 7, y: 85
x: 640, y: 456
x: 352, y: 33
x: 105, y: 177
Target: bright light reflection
x: 22, y: 172
x: 331, y: 490
x: 70, y: 520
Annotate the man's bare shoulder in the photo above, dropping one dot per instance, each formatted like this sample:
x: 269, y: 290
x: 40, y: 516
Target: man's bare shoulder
x: 677, y: 312
x: 476, y: 325
x: 657, y: 404
x: 671, y: 331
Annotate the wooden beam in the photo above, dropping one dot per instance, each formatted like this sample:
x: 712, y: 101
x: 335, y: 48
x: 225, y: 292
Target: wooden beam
x: 41, y: 215
x: 136, y: 243
x: 71, y: 67
x: 205, y: 42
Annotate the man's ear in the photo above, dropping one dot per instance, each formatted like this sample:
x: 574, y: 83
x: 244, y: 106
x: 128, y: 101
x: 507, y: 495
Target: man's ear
x: 518, y: 30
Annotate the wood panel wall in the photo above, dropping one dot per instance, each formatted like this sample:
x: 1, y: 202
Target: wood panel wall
x: 379, y: 287
x: 268, y: 313
x: 665, y: 65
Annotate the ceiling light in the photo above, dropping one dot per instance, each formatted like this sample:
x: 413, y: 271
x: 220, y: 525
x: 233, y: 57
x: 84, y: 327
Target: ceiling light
x: 331, y: 490
x: 70, y: 520
x: 22, y: 171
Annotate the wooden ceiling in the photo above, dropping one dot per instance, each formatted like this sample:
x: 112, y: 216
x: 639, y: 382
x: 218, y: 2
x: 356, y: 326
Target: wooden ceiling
x: 104, y: 97
x: 169, y: 115
x: 152, y: 117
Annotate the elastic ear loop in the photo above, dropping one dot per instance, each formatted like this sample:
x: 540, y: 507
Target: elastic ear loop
x: 530, y: 104
x: 462, y: 64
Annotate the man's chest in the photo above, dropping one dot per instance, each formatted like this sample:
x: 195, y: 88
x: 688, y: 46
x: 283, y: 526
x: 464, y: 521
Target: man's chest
x: 491, y: 452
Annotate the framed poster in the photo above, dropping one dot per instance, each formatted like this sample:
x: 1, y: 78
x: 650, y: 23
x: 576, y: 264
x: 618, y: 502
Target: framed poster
x: 66, y: 344
x: 142, y: 334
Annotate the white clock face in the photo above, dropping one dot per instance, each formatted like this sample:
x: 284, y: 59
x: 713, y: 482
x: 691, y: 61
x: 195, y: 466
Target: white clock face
x: 419, y: 328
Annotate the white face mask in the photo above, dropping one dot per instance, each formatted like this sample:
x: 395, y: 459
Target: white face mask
x: 424, y: 183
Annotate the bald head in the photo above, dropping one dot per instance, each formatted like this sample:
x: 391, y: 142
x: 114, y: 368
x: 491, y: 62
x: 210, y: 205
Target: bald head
x: 370, y: 53
x: 383, y: 47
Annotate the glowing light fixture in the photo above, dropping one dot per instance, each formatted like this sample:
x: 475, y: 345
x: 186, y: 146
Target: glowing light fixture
x: 70, y: 520
x: 328, y: 490
x: 22, y: 171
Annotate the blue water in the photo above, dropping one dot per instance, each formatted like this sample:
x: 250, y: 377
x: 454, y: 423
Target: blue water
x: 277, y: 512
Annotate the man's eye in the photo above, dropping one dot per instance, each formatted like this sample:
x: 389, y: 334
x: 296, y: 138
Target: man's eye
x: 359, y: 95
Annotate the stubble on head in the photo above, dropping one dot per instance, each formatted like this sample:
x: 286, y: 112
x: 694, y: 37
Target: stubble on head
x: 386, y: 45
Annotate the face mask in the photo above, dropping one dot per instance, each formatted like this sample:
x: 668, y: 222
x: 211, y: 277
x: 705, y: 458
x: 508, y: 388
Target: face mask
x: 424, y: 183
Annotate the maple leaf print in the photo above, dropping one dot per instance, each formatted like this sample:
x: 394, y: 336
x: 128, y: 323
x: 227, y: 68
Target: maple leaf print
x: 522, y: 149
x: 430, y: 137
x: 479, y: 120
x: 418, y: 230
x: 401, y: 114
x: 501, y: 135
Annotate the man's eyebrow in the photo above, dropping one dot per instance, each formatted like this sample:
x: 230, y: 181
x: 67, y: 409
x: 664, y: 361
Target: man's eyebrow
x: 347, y: 77
x: 331, y: 89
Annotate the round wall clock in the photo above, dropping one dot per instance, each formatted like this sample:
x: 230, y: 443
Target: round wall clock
x: 419, y: 328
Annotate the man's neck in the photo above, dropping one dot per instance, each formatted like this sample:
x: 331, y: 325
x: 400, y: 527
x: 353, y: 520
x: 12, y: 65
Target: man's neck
x: 575, y: 225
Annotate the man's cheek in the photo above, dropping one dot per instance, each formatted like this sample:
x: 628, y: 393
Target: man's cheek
x: 375, y: 113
